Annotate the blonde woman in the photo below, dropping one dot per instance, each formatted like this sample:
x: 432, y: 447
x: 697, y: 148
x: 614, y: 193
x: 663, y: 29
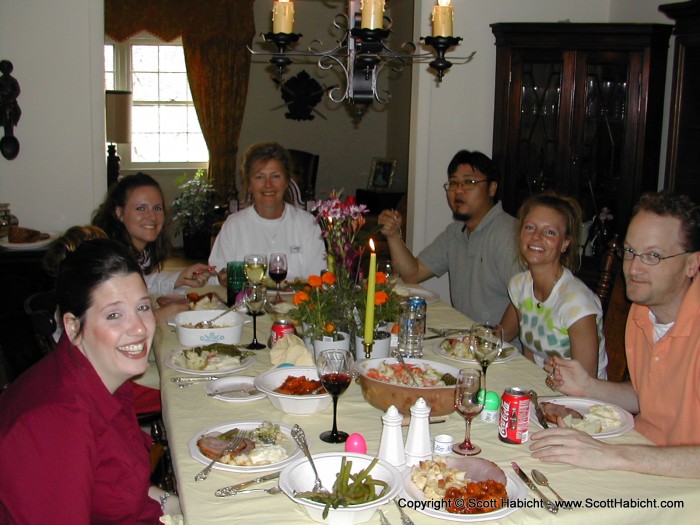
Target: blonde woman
x: 555, y: 313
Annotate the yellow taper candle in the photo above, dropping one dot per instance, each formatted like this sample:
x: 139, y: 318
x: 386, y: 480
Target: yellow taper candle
x: 283, y: 16
x: 371, y: 282
x: 443, y: 15
x: 372, y: 14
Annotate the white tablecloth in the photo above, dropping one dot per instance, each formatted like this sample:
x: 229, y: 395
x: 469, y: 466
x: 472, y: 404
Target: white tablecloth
x: 188, y: 411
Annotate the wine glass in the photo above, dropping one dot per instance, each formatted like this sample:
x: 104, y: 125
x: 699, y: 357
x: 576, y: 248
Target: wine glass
x: 486, y: 343
x: 389, y: 269
x: 255, y: 267
x: 254, y: 296
x: 335, y: 371
x: 278, y: 272
x: 467, y: 403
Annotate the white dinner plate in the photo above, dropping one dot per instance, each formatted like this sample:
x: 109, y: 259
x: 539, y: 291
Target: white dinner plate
x: 515, y: 488
x: 512, y: 354
x: 407, y: 291
x: 170, y: 363
x: 583, y: 405
x: 233, y: 389
x: 289, y: 444
x: 36, y: 245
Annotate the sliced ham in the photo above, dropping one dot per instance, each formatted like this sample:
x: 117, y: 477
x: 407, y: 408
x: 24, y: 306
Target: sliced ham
x: 212, y: 446
x: 478, y: 469
x: 552, y: 411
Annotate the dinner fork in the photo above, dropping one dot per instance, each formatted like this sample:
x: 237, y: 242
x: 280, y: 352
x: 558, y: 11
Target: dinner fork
x: 232, y: 445
x: 300, y: 438
x: 405, y: 520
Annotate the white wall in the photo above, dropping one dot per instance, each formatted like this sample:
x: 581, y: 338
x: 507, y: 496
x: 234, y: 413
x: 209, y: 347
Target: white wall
x: 56, y: 50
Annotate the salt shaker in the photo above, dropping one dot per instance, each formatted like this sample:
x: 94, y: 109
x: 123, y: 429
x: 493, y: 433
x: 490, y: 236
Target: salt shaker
x: 391, y: 446
x: 418, y: 444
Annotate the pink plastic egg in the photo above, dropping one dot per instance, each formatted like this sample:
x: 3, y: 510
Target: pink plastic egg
x: 356, y: 443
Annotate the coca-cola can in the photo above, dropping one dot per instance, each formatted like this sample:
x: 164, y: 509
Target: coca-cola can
x: 280, y: 328
x: 514, y: 416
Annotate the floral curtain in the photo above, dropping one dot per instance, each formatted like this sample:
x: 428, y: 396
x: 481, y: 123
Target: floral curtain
x: 214, y: 34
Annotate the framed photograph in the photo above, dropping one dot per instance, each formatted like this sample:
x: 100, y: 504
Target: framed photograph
x: 382, y: 174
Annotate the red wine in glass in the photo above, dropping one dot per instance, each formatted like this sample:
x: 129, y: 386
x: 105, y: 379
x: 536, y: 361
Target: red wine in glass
x: 278, y: 272
x: 335, y: 384
x: 278, y: 275
x: 335, y: 370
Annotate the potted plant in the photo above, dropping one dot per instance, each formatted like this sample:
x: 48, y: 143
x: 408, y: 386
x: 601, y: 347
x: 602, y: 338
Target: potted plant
x: 195, y: 212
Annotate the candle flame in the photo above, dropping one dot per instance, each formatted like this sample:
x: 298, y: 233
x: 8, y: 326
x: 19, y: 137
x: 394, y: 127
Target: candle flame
x: 371, y: 244
x: 444, y: 3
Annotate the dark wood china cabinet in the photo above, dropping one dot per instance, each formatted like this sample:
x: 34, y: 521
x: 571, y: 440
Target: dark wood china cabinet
x: 578, y: 110
x: 683, y: 153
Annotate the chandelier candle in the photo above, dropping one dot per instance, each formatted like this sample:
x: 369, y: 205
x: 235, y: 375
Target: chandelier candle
x: 443, y: 15
x: 369, y: 312
x: 283, y: 16
x: 372, y: 14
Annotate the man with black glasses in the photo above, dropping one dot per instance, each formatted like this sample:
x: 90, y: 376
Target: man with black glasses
x: 478, y: 250
x: 661, y: 258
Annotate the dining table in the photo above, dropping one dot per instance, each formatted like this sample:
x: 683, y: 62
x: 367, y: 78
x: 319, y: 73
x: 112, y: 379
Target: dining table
x: 612, y: 497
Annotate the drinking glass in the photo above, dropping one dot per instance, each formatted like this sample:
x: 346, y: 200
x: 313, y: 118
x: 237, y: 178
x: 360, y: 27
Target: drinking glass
x: 389, y: 269
x: 486, y: 343
x: 255, y: 267
x: 255, y: 295
x: 278, y: 272
x: 467, y: 403
x: 335, y: 371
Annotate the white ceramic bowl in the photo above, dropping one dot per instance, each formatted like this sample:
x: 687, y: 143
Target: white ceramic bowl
x: 267, y: 382
x: 230, y: 334
x: 299, y: 477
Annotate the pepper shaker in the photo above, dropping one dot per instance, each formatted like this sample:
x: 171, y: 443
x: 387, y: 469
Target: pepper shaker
x: 418, y: 443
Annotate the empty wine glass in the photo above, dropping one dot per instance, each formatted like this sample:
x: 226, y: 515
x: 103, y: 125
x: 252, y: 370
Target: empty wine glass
x: 467, y: 403
x: 254, y: 296
x: 278, y: 272
x: 486, y: 343
x: 389, y: 269
x: 255, y: 267
x: 335, y: 371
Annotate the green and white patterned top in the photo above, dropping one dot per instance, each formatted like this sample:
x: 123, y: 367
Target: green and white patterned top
x: 544, y: 326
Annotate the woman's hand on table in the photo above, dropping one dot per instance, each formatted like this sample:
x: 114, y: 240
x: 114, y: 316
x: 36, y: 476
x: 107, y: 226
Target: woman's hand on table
x: 195, y: 276
x: 567, y: 445
x: 170, y: 310
x: 223, y: 277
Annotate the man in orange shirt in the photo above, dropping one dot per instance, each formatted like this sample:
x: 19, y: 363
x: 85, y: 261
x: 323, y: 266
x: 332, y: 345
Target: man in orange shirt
x: 661, y: 260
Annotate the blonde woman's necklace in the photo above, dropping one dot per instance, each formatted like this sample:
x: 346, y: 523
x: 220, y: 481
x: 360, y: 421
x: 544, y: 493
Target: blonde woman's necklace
x: 561, y: 272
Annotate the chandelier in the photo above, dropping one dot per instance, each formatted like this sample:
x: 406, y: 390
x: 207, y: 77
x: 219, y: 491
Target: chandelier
x: 362, y: 52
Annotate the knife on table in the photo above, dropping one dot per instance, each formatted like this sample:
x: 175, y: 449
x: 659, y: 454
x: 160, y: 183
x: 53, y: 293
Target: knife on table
x: 538, y: 409
x: 551, y: 507
x: 231, y: 490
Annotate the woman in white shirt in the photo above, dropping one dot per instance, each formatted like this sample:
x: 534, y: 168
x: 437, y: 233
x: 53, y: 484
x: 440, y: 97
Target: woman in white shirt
x: 270, y: 225
x: 554, y: 312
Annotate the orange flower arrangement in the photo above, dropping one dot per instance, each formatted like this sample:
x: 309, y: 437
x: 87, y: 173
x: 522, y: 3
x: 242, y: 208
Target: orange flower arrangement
x: 315, y: 305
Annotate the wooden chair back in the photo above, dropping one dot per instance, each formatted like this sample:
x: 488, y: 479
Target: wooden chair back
x: 305, y: 172
x: 611, y: 291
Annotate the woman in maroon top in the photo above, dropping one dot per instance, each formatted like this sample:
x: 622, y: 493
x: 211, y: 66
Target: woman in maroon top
x: 71, y: 449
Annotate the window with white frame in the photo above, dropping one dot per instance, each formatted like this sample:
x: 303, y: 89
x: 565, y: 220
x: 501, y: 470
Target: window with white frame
x: 165, y: 132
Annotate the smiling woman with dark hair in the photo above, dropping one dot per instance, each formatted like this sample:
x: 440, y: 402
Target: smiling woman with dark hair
x: 71, y: 449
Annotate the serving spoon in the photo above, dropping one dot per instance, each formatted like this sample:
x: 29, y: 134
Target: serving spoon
x: 541, y: 479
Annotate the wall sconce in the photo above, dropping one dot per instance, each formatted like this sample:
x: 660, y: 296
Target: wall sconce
x: 118, y: 129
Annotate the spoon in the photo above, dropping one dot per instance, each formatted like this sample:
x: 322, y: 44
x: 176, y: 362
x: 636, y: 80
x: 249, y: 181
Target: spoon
x: 300, y: 438
x: 271, y: 490
x: 541, y: 479
x: 246, y: 393
x: 399, y: 358
x: 208, y: 323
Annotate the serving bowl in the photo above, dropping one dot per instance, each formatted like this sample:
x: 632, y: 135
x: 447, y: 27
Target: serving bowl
x: 228, y: 328
x: 268, y: 381
x: 299, y: 477
x: 382, y: 395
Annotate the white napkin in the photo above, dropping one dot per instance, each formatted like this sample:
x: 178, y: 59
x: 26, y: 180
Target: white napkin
x: 290, y: 349
x: 172, y: 519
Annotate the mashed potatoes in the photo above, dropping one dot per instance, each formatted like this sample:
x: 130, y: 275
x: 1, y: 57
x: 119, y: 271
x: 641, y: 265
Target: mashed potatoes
x: 600, y: 418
